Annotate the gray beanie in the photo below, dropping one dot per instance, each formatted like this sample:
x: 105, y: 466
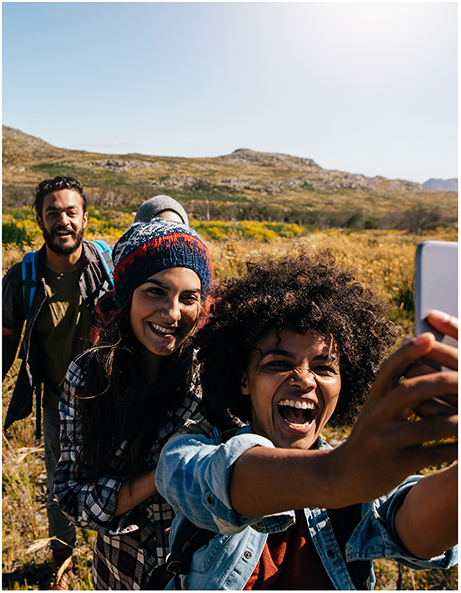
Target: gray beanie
x: 153, y: 207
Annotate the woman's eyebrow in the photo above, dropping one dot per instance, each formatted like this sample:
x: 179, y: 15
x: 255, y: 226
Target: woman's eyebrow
x: 156, y: 282
x: 166, y: 287
x: 278, y: 352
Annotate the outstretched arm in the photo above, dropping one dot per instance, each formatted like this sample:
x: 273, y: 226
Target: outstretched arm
x: 427, y: 521
x: 383, y: 449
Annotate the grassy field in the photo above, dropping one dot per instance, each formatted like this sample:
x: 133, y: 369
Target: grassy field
x: 383, y: 259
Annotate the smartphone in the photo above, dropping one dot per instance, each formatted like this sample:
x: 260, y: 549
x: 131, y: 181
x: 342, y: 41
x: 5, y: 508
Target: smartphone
x: 436, y: 284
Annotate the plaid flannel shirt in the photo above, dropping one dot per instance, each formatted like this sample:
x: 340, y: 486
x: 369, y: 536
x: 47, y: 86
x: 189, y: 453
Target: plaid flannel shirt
x: 128, y: 546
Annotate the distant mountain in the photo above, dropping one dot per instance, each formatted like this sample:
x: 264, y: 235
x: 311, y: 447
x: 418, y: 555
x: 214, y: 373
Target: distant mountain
x: 442, y: 184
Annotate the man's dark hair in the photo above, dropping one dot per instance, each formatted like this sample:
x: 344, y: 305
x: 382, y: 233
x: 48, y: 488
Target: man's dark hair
x: 304, y: 292
x: 51, y: 185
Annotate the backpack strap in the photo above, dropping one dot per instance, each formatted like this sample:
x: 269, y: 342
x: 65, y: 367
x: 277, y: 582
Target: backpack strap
x: 29, y: 279
x: 106, y: 256
x: 189, y: 539
x: 344, y: 521
x: 29, y: 285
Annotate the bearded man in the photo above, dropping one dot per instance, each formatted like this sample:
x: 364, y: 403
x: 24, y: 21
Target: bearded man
x: 69, y: 277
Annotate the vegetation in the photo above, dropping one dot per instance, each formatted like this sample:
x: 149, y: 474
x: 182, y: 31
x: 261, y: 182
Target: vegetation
x: 243, y: 186
x: 383, y: 260
x: 25, y: 545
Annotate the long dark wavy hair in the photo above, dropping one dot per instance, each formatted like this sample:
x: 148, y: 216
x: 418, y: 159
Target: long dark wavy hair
x: 106, y: 407
x: 303, y: 291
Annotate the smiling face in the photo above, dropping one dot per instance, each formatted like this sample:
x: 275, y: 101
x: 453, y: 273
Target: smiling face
x: 63, y: 221
x: 293, y: 381
x: 165, y: 310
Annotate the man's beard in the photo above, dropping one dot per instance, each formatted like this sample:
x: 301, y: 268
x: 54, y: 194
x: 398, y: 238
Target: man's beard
x: 63, y: 249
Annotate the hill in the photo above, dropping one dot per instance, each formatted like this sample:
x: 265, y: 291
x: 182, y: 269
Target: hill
x: 442, y: 184
x: 244, y: 185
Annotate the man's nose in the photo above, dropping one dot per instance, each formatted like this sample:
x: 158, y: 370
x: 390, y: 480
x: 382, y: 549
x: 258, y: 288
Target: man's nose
x: 64, y: 219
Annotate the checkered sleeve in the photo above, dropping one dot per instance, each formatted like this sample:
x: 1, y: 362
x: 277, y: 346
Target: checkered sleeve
x: 88, y: 504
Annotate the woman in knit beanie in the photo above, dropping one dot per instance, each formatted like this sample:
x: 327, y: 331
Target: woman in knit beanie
x: 161, y: 206
x: 124, y: 398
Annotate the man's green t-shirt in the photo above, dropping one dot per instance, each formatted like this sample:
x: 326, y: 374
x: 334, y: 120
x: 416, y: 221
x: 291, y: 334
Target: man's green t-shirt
x: 63, y: 331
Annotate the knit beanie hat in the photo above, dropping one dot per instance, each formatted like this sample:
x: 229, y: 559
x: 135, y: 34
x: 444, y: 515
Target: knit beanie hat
x: 153, y: 207
x: 149, y: 247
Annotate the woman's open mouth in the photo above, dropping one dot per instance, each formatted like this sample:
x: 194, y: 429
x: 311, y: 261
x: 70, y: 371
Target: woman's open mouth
x: 162, y: 331
x: 297, y: 413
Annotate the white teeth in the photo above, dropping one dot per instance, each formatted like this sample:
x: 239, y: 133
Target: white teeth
x: 297, y: 404
x: 163, y: 330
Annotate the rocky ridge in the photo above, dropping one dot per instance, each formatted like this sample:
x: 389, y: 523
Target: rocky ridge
x: 269, y: 173
x: 297, y: 174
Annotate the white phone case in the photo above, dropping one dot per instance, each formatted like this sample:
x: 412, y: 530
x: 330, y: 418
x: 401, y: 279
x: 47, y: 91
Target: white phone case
x: 436, y: 283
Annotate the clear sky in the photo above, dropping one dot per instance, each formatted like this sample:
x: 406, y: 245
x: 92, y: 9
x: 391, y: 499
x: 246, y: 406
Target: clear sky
x: 361, y: 87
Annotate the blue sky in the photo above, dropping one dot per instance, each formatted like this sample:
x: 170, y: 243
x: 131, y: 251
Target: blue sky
x: 362, y: 87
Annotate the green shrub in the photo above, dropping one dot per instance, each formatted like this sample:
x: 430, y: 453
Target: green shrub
x: 14, y: 234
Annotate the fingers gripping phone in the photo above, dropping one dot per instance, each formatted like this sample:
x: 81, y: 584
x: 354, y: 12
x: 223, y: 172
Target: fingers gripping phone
x: 436, y: 284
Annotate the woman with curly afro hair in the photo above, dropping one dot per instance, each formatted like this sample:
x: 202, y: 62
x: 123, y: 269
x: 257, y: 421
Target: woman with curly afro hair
x: 293, y: 344
x: 306, y: 293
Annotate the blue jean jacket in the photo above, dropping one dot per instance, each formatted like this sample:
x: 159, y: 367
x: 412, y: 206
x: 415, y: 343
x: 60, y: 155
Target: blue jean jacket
x: 193, y: 475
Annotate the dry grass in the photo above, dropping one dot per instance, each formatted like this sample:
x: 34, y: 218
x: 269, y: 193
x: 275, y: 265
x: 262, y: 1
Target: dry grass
x: 25, y: 545
x: 383, y: 259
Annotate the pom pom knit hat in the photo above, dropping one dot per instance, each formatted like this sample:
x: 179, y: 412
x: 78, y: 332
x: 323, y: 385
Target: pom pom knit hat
x: 149, y: 247
x: 158, y: 204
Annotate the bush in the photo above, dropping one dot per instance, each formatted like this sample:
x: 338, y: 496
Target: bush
x: 253, y: 230
x: 15, y: 234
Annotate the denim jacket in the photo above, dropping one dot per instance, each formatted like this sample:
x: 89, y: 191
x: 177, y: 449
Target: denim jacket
x: 193, y: 475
